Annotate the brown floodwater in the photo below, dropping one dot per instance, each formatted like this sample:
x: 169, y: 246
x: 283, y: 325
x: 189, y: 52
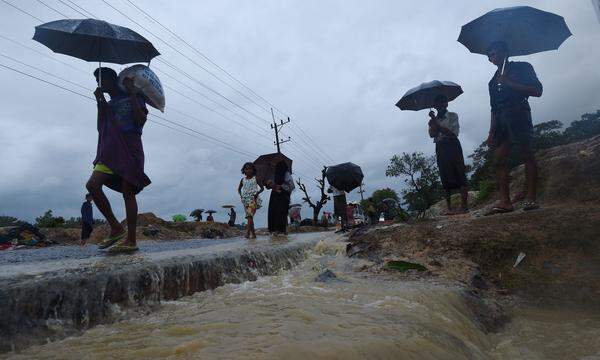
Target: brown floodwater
x: 356, y: 316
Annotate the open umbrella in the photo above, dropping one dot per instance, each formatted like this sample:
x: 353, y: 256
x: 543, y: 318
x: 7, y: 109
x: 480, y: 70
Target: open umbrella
x: 228, y: 206
x: 346, y: 176
x: 211, y: 211
x: 526, y: 30
x: 423, y: 96
x: 265, y: 166
x: 95, y: 40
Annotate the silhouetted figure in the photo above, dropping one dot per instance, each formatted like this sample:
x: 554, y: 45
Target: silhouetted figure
x: 87, y: 219
x: 279, y: 201
x: 232, y: 216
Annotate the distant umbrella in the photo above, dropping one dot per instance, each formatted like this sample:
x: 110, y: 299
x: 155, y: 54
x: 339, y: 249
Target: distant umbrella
x: 526, y: 30
x: 211, y: 211
x: 345, y: 177
x: 197, y: 214
x: 228, y: 206
x: 423, y: 96
x: 265, y: 166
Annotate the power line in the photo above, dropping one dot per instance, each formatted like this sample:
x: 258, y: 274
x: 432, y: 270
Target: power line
x: 204, y: 57
x: 227, y: 73
x: 222, y: 143
x: 42, y: 54
x: 51, y: 8
x: 161, y: 71
x: 74, y: 9
x: 45, y: 72
x: 182, y: 54
x: 21, y: 10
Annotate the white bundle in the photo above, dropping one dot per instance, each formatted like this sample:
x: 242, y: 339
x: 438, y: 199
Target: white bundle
x: 147, y: 83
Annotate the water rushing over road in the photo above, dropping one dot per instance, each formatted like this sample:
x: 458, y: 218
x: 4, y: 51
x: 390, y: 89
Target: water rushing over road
x: 355, y: 316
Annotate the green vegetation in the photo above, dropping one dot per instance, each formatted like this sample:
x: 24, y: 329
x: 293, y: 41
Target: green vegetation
x: 9, y: 221
x: 421, y: 177
x: 49, y: 221
x: 545, y: 135
x: 179, y: 218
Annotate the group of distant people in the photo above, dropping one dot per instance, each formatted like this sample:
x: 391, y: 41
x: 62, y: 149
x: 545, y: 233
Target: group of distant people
x: 510, y: 127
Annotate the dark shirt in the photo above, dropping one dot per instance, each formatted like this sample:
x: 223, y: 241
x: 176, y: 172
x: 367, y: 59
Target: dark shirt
x: 122, y: 109
x: 504, y: 97
x: 86, y: 213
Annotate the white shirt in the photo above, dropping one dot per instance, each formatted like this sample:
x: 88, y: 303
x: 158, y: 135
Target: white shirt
x: 450, y: 122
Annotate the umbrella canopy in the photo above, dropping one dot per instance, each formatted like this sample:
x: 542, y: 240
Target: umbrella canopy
x: 228, y: 206
x: 95, y: 40
x: 423, y: 96
x: 210, y: 211
x: 265, y: 166
x: 526, y: 30
x: 346, y: 176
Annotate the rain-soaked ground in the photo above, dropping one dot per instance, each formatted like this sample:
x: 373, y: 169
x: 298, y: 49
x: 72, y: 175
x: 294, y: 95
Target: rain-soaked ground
x: 358, y: 315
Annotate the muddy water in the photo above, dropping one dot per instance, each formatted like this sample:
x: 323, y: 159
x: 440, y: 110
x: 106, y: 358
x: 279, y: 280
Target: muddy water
x: 355, y: 316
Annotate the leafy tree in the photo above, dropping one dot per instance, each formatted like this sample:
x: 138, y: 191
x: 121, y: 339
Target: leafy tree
x: 587, y: 127
x: 9, y: 221
x: 421, y: 176
x: 179, y: 218
x: 49, y: 221
x: 317, y: 205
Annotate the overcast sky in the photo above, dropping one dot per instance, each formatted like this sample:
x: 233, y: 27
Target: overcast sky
x: 335, y: 67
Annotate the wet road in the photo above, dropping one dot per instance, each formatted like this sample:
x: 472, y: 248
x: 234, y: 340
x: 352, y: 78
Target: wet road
x: 26, y: 256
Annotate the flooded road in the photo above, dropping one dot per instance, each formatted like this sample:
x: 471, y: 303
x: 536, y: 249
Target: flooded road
x: 353, y: 316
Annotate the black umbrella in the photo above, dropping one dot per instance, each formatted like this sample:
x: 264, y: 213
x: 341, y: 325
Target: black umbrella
x: 346, y: 176
x: 95, y: 40
x: 423, y: 96
x: 526, y: 30
x: 265, y: 166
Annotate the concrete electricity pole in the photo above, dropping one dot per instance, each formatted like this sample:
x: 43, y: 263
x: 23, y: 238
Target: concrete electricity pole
x: 277, y: 127
x: 361, y: 191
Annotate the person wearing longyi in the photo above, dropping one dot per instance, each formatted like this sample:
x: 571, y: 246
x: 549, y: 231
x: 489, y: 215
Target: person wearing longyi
x: 119, y: 162
x: 444, y: 129
x: 511, y: 125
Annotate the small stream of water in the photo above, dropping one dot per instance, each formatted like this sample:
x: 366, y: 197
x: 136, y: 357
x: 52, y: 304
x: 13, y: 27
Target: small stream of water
x: 356, y: 316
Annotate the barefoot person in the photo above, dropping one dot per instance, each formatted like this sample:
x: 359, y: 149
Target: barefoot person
x: 444, y: 128
x: 511, y: 125
x: 119, y: 162
x: 249, y: 191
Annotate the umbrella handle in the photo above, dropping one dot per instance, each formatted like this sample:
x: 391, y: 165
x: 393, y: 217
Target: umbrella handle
x: 502, y: 71
x: 100, y: 74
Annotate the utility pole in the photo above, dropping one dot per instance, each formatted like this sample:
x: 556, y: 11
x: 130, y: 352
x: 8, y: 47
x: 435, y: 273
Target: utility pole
x: 361, y: 191
x: 277, y: 127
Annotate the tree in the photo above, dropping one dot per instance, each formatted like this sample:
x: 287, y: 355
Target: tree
x: 9, y: 221
x: 421, y: 176
x: 382, y: 200
x: 179, y: 218
x: 318, y: 205
x: 49, y: 221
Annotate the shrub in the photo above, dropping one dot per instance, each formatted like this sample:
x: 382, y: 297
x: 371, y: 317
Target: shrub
x: 49, y: 221
x: 179, y: 218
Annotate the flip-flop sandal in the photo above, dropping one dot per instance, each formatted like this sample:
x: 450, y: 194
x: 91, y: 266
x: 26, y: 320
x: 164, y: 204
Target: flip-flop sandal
x: 498, y: 210
x: 110, y: 241
x: 122, y: 248
x: 530, y: 205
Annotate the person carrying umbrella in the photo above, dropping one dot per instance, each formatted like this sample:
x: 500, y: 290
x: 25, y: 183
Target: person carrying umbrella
x: 281, y: 189
x: 119, y: 162
x: 444, y: 129
x: 498, y: 34
x: 511, y: 122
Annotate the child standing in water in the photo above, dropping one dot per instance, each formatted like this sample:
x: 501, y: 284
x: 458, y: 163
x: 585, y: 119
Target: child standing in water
x: 119, y: 162
x: 249, y: 191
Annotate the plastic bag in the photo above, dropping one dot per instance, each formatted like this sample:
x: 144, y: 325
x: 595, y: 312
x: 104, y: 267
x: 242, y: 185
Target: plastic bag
x: 147, y: 83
